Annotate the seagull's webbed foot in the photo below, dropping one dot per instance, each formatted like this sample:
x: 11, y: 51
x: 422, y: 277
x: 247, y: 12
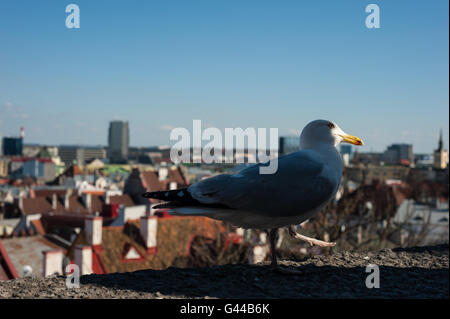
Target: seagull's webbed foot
x: 285, y: 271
x: 311, y: 241
x: 275, y: 267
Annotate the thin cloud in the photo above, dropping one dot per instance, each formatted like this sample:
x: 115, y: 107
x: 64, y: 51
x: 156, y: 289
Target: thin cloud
x: 13, y: 111
x: 167, y: 127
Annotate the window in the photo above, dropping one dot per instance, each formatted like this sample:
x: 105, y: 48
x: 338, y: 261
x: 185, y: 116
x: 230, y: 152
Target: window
x: 131, y: 254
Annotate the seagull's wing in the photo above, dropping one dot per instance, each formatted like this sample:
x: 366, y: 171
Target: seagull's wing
x: 297, y: 186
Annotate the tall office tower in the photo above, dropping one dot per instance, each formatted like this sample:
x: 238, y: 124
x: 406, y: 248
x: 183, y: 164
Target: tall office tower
x: 12, y: 146
x: 346, y: 149
x: 118, y: 141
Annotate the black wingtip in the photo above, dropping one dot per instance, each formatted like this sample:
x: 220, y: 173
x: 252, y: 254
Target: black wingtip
x: 164, y: 205
x: 147, y: 195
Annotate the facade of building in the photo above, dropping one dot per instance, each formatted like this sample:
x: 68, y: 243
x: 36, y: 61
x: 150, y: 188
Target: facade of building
x: 372, y: 172
x: 16, y: 166
x: 346, y: 149
x: 118, y: 141
x: 288, y: 144
x: 12, y: 146
x: 346, y: 153
x: 80, y: 155
x: 399, y: 154
x: 4, y: 167
x: 39, y: 168
x: 27, y: 257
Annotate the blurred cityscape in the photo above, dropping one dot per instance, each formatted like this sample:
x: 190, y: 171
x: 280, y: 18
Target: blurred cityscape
x: 74, y: 204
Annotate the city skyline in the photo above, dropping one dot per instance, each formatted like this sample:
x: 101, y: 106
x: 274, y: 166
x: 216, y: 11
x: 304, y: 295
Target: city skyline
x: 439, y: 139
x: 252, y: 64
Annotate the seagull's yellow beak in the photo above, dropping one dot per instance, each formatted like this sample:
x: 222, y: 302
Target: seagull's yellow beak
x: 347, y: 138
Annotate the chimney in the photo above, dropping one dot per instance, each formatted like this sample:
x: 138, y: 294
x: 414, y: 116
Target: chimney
x: 258, y: 253
x: 148, y: 229
x: 53, y: 262
x: 66, y: 198
x: 54, y: 201
x: 87, y: 198
x: 107, y: 199
x: 83, y: 259
x: 93, y: 230
x: 162, y: 173
x: 21, y: 203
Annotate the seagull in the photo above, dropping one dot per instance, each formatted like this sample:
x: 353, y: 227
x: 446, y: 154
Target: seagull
x: 304, y: 182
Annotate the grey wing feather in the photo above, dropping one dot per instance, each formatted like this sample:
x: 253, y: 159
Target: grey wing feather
x: 296, y: 187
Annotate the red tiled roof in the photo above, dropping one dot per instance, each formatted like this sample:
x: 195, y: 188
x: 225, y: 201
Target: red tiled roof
x: 173, y: 238
x: 176, y: 175
x: 124, y: 200
x: 7, y: 269
x: 28, y: 251
x: 41, y: 205
x: 20, y: 159
x: 26, y: 159
x: 151, y: 181
x: 37, y: 224
x: 96, y: 203
x: 48, y: 192
x: 38, y: 205
x: 97, y: 265
x: 398, y: 194
x: 94, y: 192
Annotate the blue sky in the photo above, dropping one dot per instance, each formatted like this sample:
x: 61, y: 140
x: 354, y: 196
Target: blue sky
x: 246, y: 63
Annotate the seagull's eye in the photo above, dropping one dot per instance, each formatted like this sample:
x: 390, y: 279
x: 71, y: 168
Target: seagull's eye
x: 330, y: 125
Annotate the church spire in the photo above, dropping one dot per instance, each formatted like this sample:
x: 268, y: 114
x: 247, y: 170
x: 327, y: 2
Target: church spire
x: 440, y: 145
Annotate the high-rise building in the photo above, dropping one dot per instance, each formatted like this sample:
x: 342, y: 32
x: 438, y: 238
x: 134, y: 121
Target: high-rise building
x: 12, y: 146
x: 399, y: 154
x: 346, y: 153
x: 347, y: 149
x: 288, y: 144
x: 440, y: 160
x: 118, y: 141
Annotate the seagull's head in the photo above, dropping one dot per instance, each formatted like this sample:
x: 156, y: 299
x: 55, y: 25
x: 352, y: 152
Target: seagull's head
x: 328, y: 132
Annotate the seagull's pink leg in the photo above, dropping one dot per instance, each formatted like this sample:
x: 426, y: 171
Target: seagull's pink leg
x: 311, y: 241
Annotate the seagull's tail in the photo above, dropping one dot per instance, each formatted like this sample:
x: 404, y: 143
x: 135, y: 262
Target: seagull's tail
x: 166, y: 195
x: 174, y: 198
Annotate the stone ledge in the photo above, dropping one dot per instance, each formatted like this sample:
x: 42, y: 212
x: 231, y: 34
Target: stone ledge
x: 418, y: 272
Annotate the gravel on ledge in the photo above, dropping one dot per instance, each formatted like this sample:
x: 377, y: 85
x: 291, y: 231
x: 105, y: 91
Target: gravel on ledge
x: 418, y: 272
